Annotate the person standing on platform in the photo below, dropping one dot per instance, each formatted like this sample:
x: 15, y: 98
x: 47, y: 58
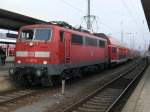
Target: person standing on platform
x: 2, y: 56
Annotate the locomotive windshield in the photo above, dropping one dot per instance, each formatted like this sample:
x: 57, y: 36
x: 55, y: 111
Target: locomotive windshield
x: 35, y: 34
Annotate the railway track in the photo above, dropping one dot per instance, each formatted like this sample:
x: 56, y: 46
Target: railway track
x: 104, y: 98
x: 17, y: 94
x: 14, y: 95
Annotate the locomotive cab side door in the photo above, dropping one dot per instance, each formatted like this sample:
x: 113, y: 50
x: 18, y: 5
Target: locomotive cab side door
x: 64, y: 47
x: 67, y: 47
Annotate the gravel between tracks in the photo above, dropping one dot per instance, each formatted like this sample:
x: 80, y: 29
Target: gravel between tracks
x: 52, y: 100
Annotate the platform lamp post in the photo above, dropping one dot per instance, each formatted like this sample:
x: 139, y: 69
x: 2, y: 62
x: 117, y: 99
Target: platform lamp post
x: 134, y: 34
x: 131, y: 45
x: 132, y: 42
x: 122, y: 31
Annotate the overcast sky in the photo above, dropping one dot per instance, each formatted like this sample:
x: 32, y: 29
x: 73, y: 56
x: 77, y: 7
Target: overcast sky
x: 109, y: 13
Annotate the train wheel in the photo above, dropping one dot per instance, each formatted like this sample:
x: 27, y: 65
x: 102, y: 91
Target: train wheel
x: 106, y: 66
x: 56, y: 80
x: 20, y: 81
x: 46, y: 80
x: 76, y: 73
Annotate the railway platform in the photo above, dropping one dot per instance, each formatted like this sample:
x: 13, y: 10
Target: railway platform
x: 139, y: 101
x: 5, y: 82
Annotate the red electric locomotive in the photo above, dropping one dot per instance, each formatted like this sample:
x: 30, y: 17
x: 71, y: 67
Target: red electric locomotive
x: 47, y: 51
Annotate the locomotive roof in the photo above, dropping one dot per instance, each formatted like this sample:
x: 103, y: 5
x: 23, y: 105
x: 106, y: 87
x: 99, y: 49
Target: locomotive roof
x: 66, y: 29
x: 84, y: 33
x: 102, y: 36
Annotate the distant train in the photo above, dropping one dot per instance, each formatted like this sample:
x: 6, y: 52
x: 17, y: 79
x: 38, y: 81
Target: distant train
x: 47, y: 52
x: 9, y: 49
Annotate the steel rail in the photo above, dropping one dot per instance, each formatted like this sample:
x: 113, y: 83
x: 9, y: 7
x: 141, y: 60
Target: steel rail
x: 85, y: 99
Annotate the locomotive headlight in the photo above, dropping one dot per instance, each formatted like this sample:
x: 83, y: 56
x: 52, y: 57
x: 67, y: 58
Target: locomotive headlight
x: 31, y: 44
x: 38, y: 73
x: 18, y: 61
x: 44, y: 62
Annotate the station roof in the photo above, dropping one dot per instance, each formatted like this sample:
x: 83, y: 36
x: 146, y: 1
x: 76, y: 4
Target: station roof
x: 13, y: 21
x: 146, y: 7
x: 7, y: 41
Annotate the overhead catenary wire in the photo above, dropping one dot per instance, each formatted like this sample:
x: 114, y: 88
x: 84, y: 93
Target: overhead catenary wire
x: 143, y: 20
x: 130, y: 13
x: 135, y: 7
x: 139, y: 29
x: 72, y: 6
x: 82, y: 12
x: 107, y: 26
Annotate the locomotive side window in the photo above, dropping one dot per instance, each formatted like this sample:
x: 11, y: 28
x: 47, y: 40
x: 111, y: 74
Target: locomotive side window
x: 61, y: 34
x: 114, y: 50
x: 90, y: 41
x: 76, y: 39
x: 101, y: 43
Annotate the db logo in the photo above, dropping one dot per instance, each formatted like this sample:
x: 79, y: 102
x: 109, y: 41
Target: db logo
x: 31, y: 54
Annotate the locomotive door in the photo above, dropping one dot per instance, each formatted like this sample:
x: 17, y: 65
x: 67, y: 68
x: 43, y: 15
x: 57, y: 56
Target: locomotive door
x: 67, y: 47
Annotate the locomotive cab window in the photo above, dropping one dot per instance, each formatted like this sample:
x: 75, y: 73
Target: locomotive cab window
x: 61, y: 34
x: 27, y: 34
x: 36, y: 34
x: 42, y: 34
x: 76, y: 39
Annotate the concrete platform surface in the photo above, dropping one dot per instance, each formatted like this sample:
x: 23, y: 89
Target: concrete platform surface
x: 139, y: 101
x: 5, y: 68
x: 5, y: 82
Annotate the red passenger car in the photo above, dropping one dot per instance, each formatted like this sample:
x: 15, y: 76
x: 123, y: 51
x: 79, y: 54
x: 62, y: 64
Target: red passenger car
x: 116, y: 51
x: 44, y: 52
